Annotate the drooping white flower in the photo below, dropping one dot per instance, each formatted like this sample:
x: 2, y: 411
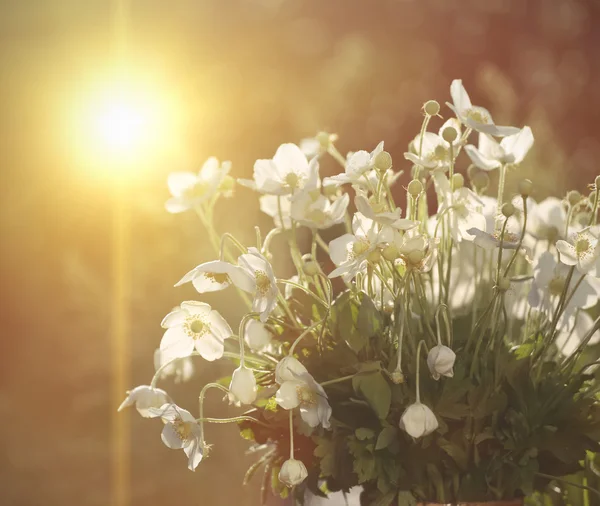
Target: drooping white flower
x: 378, y: 214
x: 350, y: 251
x: 194, y: 326
x: 418, y: 420
x: 292, y: 472
x: 145, y: 398
x: 189, y: 189
x: 317, y: 211
x: 277, y: 207
x: 181, y: 369
x: 511, y: 150
x: 582, y: 251
x: 357, y: 166
x: 288, y: 173
x: 299, y: 389
x: 181, y: 431
x: 243, y: 385
x: 475, y: 117
x: 434, y: 152
x: 257, y: 336
x: 209, y: 276
x: 440, y: 361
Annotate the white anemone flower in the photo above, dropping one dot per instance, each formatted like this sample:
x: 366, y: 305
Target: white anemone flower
x: 145, y: 398
x: 257, y: 335
x: 475, y: 117
x: 434, y: 152
x: 511, y: 150
x: 378, y: 214
x: 181, y: 369
x: 194, y: 326
x: 440, y: 361
x: 288, y: 173
x: 189, y: 189
x: 292, y: 472
x: 418, y: 251
x: 299, y: 389
x: 547, y: 220
x: 549, y: 279
x: 317, y: 211
x: 582, y: 251
x: 277, y: 207
x: 181, y: 432
x: 242, y: 388
x: 357, y: 166
x: 418, y: 420
x: 350, y: 251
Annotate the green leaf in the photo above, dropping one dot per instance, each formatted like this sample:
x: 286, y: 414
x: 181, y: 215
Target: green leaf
x: 386, y: 437
x: 405, y: 498
x: 376, y: 391
x: 344, y: 315
x: 369, y: 321
x: 455, y: 452
x: 364, y: 433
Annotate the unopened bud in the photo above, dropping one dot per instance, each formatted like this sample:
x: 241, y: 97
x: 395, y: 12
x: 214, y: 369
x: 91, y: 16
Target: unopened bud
x: 324, y: 139
x: 227, y: 184
x: 310, y: 268
x: 416, y: 256
x: 397, y: 377
x: 458, y: 181
x: 503, y: 284
x: 415, y: 187
x: 383, y: 161
x: 574, y: 197
x: 481, y: 180
x: 390, y: 252
x: 449, y: 134
x: 472, y: 171
x: 525, y: 187
x: 374, y: 257
x: 431, y: 107
x: 508, y: 209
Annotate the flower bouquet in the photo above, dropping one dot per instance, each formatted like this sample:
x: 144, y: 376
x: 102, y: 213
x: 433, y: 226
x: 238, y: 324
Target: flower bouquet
x: 444, y: 354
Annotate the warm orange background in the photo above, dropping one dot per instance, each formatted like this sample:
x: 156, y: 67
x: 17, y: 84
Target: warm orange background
x: 240, y: 77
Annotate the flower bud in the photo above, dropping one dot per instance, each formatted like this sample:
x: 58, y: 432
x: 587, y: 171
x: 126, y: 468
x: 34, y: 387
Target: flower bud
x: 310, y: 268
x: 508, y: 209
x: 503, y: 284
x: 441, y: 361
x: 525, y: 187
x: 418, y: 420
x: 414, y: 188
x: 292, y: 472
x: 458, y: 181
x: 397, y: 377
x: 390, y: 252
x: 597, y: 181
x: 374, y: 257
x: 431, y: 107
x: 383, y: 161
x: 324, y: 139
x: 257, y: 335
x: 449, y: 134
x: 416, y: 256
x: 243, y: 385
x: 480, y: 180
x: 574, y: 197
x: 359, y: 247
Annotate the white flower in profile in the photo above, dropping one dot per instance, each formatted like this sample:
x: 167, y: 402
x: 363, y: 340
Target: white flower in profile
x: 292, y: 472
x: 418, y: 420
x: 181, y: 369
x: 350, y: 251
x: 189, y: 189
x: 242, y: 388
x: 317, y: 211
x: 434, y: 151
x: 288, y: 173
x: 440, y: 361
x: 181, y: 432
x: 490, y: 241
x: 379, y: 214
x: 418, y: 251
x: 547, y: 220
x: 257, y: 336
x: 511, y: 150
x: 299, y: 389
x: 582, y: 251
x: 145, y: 398
x: 572, y: 335
x: 209, y: 276
x: 278, y: 208
x: 475, y: 117
x: 357, y: 166
x: 194, y: 326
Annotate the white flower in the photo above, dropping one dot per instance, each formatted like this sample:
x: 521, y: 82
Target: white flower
x: 257, y: 336
x: 567, y: 340
x: 243, y: 385
x: 145, y: 398
x: 489, y: 241
x: 209, y: 276
x: 181, y: 431
x: 188, y: 189
x: 182, y: 369
x: 418, y: 251
x: 440, y: 361
x: 547, y: 220
x: 350, y: 251
x: 318, y: 211
x: 278, y: 208
x: 492, y: 155
x: 418, y: 420
x: 357, y: 166
x: 299, y: 389
x: 434, y: 151
x: 289, y: 172
x: 474, y: 117
x: 583, y: 251
x: 378, y: 214
x: 292, y: 472
x: 195, y: 325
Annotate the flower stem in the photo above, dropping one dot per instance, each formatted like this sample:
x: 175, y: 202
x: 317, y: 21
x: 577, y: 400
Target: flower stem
x: 418, y: 396
x: 337, y: 380
x: 291, y: 434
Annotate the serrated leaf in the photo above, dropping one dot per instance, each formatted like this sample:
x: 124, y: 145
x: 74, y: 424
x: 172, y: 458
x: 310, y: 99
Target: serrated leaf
x: 455, y: 452
x: 369, y: 322
x: 344, y: 315
x: 376, y: 391
x: 386, y: 437
x: 363, y: 433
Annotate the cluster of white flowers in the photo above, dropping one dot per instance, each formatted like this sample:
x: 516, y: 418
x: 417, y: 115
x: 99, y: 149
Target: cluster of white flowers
x: 493, y: 257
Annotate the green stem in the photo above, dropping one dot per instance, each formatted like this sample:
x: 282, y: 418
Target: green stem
x: 337, y: 380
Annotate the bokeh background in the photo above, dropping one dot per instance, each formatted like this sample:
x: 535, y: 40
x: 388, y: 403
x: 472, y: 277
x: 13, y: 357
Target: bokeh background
x: 233, y: 79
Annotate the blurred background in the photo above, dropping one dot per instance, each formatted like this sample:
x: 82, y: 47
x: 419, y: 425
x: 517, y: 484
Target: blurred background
x: 88, y: 251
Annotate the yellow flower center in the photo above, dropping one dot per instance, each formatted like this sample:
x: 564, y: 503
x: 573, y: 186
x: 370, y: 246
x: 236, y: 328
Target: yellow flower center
x: 478, y: 116
x: 359, y: 247
x: 306, y: 396
x: 292, y: 180
x: 182, y: 429
x: 199, y: 189
x: 195, y: 327
x: 263, y: 283
x: 220, y: 278
x: 316, y: 216
x: 582, y: 246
